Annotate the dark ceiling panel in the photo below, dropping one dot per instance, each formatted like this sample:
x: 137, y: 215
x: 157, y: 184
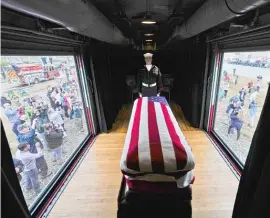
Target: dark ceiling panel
x: 128, y: 14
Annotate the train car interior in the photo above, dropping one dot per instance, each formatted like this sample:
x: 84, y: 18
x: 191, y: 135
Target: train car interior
x: 124, y: 108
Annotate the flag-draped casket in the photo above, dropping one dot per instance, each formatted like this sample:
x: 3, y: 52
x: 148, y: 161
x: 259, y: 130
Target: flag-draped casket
x: 156, y: 155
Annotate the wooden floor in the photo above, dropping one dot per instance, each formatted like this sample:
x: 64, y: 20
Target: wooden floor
x: 93, y: 190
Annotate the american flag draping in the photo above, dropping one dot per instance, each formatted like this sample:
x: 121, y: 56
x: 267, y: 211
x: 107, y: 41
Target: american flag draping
x: 154, y: 142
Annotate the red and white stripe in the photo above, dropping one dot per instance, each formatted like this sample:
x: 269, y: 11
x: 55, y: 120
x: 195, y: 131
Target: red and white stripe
x: 154, y: 142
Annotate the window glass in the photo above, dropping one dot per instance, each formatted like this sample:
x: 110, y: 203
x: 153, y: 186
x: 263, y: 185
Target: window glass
x: 243, y: 85
x: 43, y: 115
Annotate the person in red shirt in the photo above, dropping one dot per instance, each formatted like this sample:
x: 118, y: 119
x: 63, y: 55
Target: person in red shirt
x: 226, y: 83
x: 250, y: 85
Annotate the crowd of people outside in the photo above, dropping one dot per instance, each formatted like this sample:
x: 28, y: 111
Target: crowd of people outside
x: 38, y: 123
x: 235, y: 107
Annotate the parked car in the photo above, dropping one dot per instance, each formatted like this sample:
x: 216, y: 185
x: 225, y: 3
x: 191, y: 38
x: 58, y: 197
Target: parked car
x: 233, y: 60
x: 244, y: 61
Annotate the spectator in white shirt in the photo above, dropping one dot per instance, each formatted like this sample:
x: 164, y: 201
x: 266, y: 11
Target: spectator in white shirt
x: 29, y: 161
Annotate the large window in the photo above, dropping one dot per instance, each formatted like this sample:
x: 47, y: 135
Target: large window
x: 243, y: 84
x: 42, y: 109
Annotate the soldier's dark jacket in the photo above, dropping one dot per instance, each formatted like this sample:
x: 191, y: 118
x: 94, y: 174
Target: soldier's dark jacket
x: 149, y: 77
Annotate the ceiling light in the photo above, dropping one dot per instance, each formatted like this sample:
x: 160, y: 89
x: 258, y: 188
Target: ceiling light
x: 149, y: 34
x: 148, y: 21
x: 148, y: 40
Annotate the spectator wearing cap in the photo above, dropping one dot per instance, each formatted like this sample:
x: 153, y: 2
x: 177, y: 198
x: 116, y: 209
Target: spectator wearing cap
x: 149, y: 79
x: 27, y: 134
x: 30, y: 169
x: 20, y: 120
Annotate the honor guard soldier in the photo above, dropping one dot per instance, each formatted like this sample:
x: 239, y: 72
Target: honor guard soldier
x: 149, y: 80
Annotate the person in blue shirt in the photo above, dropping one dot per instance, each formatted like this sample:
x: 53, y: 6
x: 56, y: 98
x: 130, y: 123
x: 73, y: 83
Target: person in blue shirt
x: 233, y: 111
x: 252, y: 112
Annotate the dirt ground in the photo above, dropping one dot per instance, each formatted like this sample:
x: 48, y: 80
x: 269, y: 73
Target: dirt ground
x: 240, y: 147
x: 71, y: 142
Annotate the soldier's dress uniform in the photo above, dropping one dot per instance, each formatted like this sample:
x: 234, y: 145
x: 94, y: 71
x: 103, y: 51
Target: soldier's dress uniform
x: 149, y: 82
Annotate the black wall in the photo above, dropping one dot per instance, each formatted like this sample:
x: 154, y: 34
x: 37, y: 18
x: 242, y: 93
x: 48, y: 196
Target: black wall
x: 184, y: 59
x: 111, y: 65
x: 105, y: 86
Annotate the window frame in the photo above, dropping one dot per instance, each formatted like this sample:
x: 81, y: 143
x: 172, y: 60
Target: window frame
x: 51, y: 187
x: 87, y: 92
x: 217, y: 70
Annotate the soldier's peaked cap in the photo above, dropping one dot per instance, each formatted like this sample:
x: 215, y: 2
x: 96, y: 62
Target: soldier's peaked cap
x: 148, y: 55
